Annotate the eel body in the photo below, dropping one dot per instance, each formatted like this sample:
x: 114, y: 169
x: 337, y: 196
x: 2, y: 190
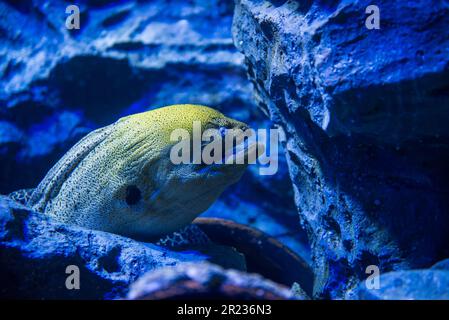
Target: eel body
x: 120, y: 179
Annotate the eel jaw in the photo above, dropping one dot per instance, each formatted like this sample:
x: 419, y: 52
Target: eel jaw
x: 243, y: 149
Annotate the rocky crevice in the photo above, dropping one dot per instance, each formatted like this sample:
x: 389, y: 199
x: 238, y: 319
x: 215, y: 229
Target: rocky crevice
x: 365, y: 128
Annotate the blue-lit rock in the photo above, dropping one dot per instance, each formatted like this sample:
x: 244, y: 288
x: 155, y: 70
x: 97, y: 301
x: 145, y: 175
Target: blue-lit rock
x: 441, y: 265
x: 365, y: 117
x: 409, y: 285
x: 207, y: 281
x: 35, y: 252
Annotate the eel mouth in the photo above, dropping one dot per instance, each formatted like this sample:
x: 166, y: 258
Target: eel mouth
x: 243, y: 151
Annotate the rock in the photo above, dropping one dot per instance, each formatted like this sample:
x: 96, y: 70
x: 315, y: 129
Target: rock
x: 205, y: 281
x: 364, y: 114
x: 441, y: 265
x: 409, y: 285
x: 298, y: 292
x: 129, y: 56
x: 263, y: 254
x: 35, y: 252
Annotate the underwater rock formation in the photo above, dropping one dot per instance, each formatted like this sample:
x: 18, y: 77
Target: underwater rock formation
x: 206, y: 281
x: 425, y: 284
x: 441, y: 265
x: 365, y: 119
x: 409, y: 285
x: 264, y: 255
x: 57, y: 85
x: 35, y: 252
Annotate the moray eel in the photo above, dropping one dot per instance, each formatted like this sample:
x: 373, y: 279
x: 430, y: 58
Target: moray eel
x: 120, y: 179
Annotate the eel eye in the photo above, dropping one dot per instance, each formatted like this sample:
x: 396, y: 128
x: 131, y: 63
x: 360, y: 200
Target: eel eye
x: 133, y: 195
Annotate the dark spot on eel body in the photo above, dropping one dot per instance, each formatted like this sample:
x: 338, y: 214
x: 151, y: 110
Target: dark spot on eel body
x: 133, y: 195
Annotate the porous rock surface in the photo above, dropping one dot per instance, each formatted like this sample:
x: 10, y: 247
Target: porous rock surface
x: 425, y: 284
x: 206, y: 281
x: 365, y: 118
x: 35, y: 252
